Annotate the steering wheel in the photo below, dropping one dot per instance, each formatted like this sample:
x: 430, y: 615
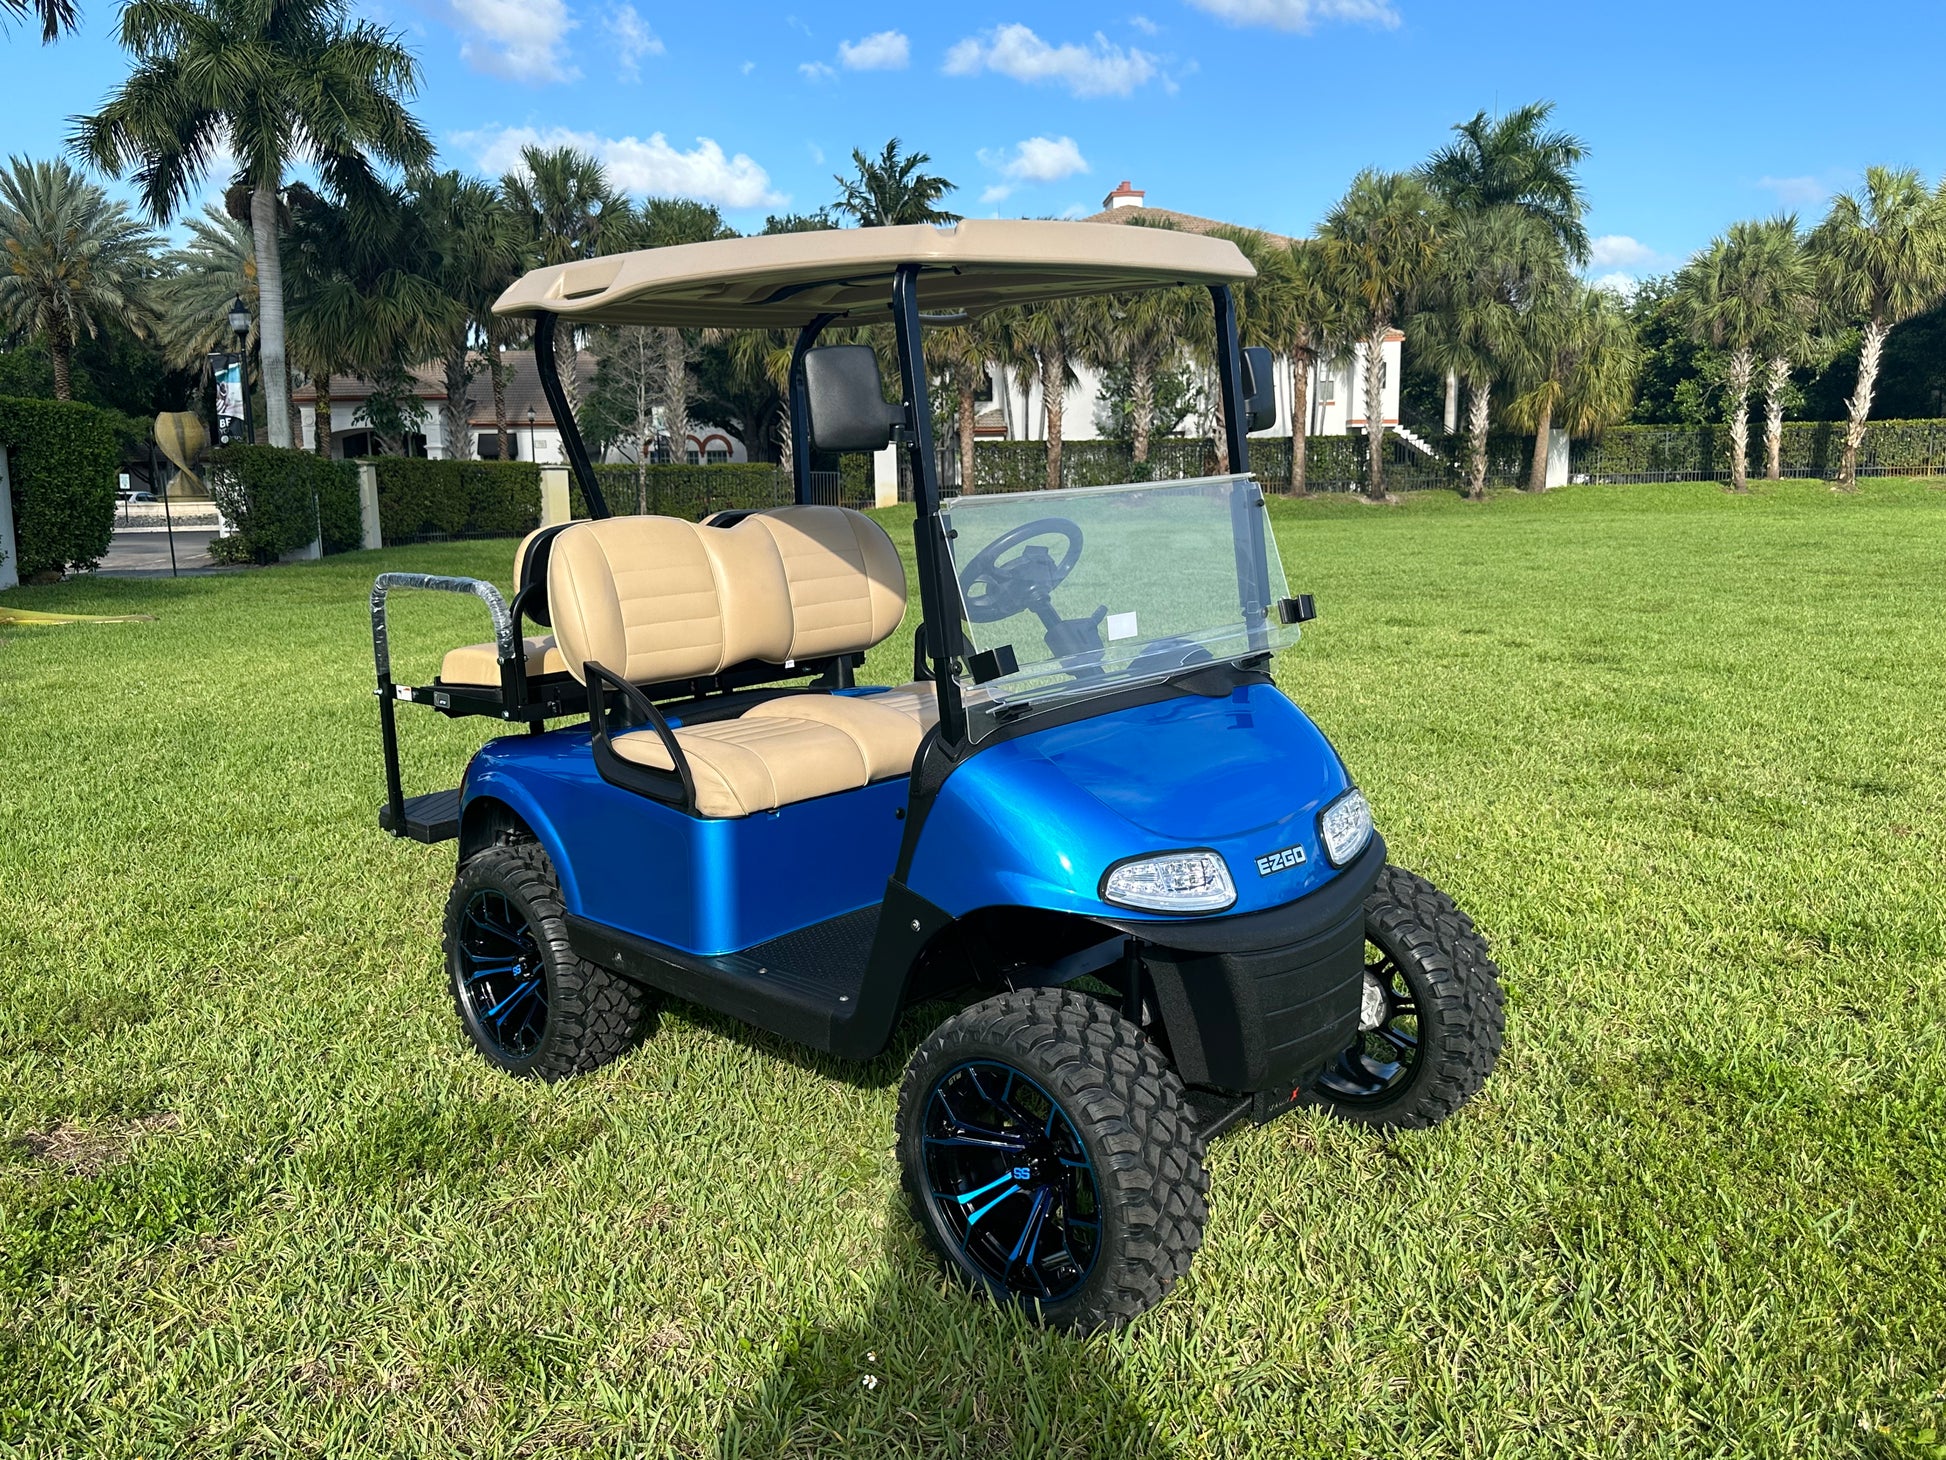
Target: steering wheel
x: 995, y: 590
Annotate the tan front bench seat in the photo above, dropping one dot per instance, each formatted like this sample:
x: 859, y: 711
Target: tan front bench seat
x: 656, y: 599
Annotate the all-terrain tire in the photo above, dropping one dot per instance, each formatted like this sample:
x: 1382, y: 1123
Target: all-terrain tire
x: 1126, y: 1107
x: 593, y: 1015
x: 1456, y: 1001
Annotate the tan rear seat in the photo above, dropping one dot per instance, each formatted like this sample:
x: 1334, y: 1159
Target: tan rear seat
x: 654, y: 599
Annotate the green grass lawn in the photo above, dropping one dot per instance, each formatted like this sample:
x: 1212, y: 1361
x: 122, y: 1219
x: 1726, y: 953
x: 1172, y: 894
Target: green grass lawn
x: 1679, y: 753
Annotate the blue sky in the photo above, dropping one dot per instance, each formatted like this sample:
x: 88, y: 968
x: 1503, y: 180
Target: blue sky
x: 1256, y: 111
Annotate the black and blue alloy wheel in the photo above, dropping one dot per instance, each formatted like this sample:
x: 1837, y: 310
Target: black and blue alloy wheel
x: 1051, y: 1158
x: 502, y: 976
x: 1011, y: 1178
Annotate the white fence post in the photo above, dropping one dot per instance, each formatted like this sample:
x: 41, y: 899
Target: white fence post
x: 371, y: 530
x: 9, y: 555
x: 885, y: 477
x: 554, y: 495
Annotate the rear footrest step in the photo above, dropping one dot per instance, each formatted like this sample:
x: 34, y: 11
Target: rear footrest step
x: 433, y: 817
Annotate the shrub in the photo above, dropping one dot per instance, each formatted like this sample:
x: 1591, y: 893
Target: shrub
x: 420, y: 498
x: 278, y: 499
x: 677, y: 490
x: 62, y: 459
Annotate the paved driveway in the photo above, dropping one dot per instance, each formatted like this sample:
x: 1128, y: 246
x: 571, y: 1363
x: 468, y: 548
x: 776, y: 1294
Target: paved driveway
x: 143, y: 552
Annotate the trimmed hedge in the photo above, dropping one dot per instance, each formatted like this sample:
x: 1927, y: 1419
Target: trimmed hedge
x: 277, y: 499
x: 420, y: 498
x: 679, y: 490
x: 62, y: 460
x: 1808, y: 449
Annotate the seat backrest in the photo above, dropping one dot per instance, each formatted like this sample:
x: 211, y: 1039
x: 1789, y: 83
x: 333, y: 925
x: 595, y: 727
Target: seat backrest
x: 530, y: 567
x: 658, y: 598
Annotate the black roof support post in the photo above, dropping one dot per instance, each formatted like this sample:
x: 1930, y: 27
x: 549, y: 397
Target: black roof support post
x: 801, y: 411
x: 564, y: 422
x: 938, y: 592
x: 1247, y: 525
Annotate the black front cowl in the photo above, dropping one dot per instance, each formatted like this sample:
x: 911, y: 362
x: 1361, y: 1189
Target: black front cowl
x: 1263, y: 1000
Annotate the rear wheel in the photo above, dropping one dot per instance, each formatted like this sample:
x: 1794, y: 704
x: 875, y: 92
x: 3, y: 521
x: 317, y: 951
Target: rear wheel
x: 527, y: 1002
x: 1433, y: 1015
x: 1050, y: 1158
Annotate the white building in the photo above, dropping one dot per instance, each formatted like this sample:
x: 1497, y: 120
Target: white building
x: 532, y: 435
x: 1337, y: 388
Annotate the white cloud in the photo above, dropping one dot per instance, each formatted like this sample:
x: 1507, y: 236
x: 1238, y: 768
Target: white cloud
x: 1797, y: 192
x: 1622, y: 284
x: 522, y: 40
x: 637, y: 166
x: 1300, y: 15
x: 1619, y: 251
x: 816, y: 71
x: 1037, y: 160
x: 632, y: 39
x: 888, y: 50
x: 748, y: 67
x: 1145, y: 25
x: 1101, y: 69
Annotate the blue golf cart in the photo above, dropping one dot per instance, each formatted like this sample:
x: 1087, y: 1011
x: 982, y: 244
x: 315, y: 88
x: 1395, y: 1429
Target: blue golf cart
x: 1090, y: 821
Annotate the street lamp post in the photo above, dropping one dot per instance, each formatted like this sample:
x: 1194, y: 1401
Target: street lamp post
x: 530, y: 435
x: 240, y: 327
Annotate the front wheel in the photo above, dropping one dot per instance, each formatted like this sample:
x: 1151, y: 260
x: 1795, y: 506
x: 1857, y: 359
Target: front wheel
x: 1433, y: 1015
x: 1051, y: 1159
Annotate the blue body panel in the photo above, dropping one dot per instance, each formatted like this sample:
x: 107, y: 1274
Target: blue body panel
x: 702, y: 886
x: 1031, y: 822
x: 1035, y: 822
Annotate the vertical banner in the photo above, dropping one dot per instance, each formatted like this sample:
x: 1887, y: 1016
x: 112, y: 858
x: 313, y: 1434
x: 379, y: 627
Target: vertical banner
x: 227, y: 369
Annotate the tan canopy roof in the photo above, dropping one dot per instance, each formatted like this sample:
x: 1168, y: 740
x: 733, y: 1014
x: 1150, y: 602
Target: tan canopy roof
x: 783, y: 280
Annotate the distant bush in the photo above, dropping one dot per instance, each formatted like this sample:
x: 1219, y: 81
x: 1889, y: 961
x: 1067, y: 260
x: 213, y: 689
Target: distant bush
x: 277, y: 500
x: 420, y: 498
x: 677, y: 490
x: 62, y: 460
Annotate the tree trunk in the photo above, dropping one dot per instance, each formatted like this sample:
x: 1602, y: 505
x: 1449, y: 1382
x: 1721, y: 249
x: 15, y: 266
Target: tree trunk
x: 966, y: 417
x: 1777, y: 375
x: 321, y: 419
x: 457, y: 414
x: 62, y: 353
x: 497, y: 372
x: 675, y: 398
x: 1859, y: 407
x: 1742, y: 362
x: 1054, y: 378
x: 1537, y: 466
x: 1142, y: 402
x: 1300, y: 407
x: 1477, y: 410
x: 1375, y: 411
x: 1451, y: 417
x: 272, y: 366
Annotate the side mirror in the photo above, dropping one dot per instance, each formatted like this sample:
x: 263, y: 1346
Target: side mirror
x: 848, y: 408
x: 1259, y: 390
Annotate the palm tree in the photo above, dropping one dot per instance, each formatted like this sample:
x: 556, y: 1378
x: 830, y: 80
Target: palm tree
x: 1046, y: 340
x: 1513, y: 161
x: 1498, y: 266
x: 1787, y: 308
x: 55, y: 16
x: 196, y: 284
x: 889, y: 189
x: 1316, y: 328
x: 1881, y: 259
x: 564, y: 209
x: 272, y: 83
x: 72, y: 259
x: 1588, y: 359
x: 475, y: 255
x: 1379, y: 242
x: 1264, y: 310
x: 960, y: 353
x: 1738, y: 292
x: 1144, y: 333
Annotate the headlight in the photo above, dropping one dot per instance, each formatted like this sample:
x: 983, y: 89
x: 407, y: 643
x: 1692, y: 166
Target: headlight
x: 1345, y: 826
x: 1176, y: 882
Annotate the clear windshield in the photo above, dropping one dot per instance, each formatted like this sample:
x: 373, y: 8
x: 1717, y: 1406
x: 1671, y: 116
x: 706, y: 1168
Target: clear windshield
x: 1076, y: 593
